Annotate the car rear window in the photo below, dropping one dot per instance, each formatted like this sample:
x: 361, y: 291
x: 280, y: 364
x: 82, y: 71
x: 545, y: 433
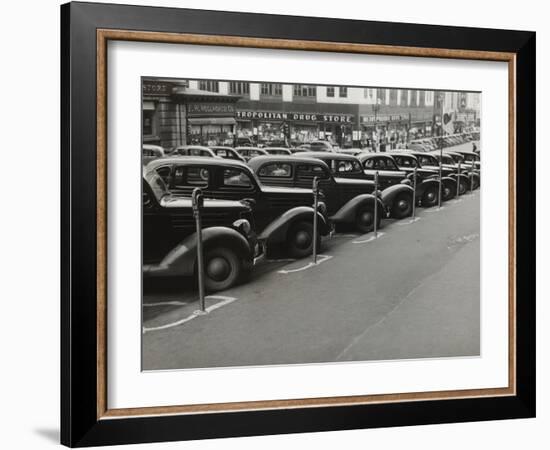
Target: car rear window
x: 280, y: 170
x: 236, y: 178
x: 191, y: 176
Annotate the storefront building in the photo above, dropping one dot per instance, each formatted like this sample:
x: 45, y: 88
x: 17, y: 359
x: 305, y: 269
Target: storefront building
x: 211, y: 112
x: 304, y: 123
x: 174, y: 114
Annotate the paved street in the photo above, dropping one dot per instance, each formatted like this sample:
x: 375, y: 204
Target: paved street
x: 412, y: 293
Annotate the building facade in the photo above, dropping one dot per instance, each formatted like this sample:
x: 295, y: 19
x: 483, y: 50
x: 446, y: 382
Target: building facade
x: 210, y: 112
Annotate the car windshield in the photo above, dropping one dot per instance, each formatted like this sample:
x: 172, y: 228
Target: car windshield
x: 157, y: 185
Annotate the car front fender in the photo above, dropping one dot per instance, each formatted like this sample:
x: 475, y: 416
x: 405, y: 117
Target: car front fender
x: 388, y: 195
x: 180, y: 261
x: 276, y: 231
x: 348, y: 212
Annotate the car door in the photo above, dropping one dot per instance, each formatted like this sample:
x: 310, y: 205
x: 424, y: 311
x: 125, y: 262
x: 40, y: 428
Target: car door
x: 306, y: 172
x: 388, y: 172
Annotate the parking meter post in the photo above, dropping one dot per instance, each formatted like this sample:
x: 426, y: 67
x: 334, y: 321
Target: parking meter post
x: 315, y: 207
x: 472, y: 178
x: 376, y: 204
x: 414, y: 194
x: 440, y: 175
x: 197, y: 202
x: 458, y: 181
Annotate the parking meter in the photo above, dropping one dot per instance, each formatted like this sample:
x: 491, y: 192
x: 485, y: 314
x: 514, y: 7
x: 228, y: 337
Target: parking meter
x: 197, y: 202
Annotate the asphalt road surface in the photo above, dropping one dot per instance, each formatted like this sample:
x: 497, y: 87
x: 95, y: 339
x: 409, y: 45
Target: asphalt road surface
x: 411, y: 293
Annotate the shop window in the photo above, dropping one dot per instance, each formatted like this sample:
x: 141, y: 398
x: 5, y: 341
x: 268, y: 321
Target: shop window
x: 191, y: 176
x: 210, y: 86
x: 303, y: 90
x: 272, y: 89
x: 412, y: 96
x: 330, y: 91
x: 236, y: 178
x: 343, y: 91
x: 278, y: 170
x: 239, y: 88
x: 148, y: 122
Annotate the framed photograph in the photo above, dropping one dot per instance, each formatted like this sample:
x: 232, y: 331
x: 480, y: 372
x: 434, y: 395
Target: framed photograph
x: 276, y: 224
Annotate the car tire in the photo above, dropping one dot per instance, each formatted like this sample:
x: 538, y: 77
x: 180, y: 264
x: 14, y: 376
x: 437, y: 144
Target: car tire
x: 299, y: 240
x: 474, y: 183
x: 462, y: 187
x: 364, y: 219
x: 223, y: 268
x: 448, y: 192
x: 429, y: 197
x: 402, y: 206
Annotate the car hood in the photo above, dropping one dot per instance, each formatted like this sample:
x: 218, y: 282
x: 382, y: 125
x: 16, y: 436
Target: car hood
x: 354, y: 181
x: 285, y: 190
x: 185, y: 202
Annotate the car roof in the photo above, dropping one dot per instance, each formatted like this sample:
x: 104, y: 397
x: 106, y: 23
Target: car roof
x: 365, y: 156
x: 250, y: 148
x: 276, y: 148
x: 329, y: 155
x: 257, y: 161
x: 402, y: 154
x: 195, y: 160
x: 199, y: 147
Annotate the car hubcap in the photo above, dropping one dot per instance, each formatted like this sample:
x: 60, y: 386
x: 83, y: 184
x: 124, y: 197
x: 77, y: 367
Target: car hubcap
x: 430, y: 196
x: 218, y: 268
x: 403, y: 205
x: 366, y: 218
x: 447, y: 192
x: 302, y: 239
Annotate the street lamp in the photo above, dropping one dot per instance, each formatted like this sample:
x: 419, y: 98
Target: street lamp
x: 376, y: 108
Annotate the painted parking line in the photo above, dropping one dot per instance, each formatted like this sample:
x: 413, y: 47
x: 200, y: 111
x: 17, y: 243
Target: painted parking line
x: 434, y: 209
x: 370, y: 239
x: 321, y: 259
x: 408, y: 222
x: 224, y: 301
x: 174, y: 303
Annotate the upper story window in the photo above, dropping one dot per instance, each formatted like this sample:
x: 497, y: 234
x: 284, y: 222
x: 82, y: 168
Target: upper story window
x: 240, y: 88
x: 272, y: 89
x: 302, y: 90
x: 210, y: 86
x: 343, y: 91
x: 393, y: 96
x: 429, y: 97
x: 330, y: 91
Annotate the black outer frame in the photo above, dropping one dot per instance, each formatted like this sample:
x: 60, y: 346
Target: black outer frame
x: 79, y: 424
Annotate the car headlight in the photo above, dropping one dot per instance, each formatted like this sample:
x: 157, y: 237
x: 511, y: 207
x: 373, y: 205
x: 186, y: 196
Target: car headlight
x: 406, y: 181
x: 243, y: 225
x: 322, y: 208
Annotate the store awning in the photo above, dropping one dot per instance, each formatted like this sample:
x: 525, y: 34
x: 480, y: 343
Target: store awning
x: 211, y: 121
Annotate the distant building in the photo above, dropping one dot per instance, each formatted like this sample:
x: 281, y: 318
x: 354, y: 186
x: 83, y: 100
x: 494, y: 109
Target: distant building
x: 225, y: 112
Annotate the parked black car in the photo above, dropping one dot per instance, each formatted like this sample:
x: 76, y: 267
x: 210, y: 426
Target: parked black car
x: 281, y: 216
x: 347, y: 200
x: 473, y: 177
x: 390, y: 174
x: 429, y: 161
x: 346, y: 169
x: 227, y: 153
x: 427, y: 179
x: 250, y: 152
x: 170, y: 241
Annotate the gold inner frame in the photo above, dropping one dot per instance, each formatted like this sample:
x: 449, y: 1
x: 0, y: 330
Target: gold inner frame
x: 104, y: 35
